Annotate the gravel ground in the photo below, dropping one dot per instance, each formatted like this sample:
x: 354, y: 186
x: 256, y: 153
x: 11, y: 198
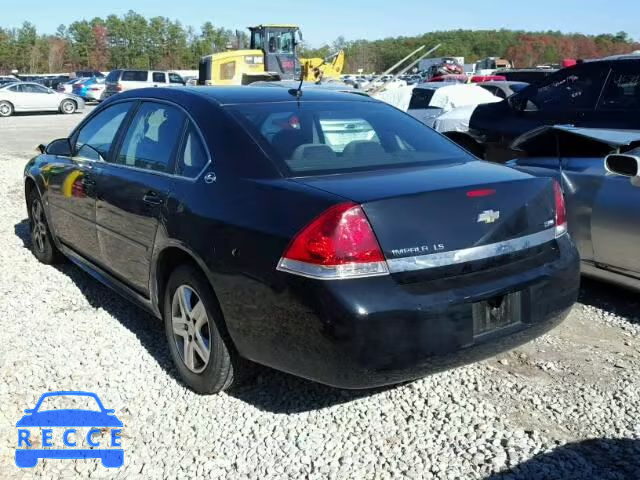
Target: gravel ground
x: 563, y: 407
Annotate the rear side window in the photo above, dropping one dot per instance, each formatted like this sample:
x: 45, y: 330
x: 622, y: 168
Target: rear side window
x: 315, y: 138
x: 159, y: 77
x: 622, y: 91
x: 96, y: 137
x: 134, y: 76
x: 152, y: 138
x: 193, y: 157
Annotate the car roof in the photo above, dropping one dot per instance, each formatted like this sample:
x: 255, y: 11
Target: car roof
x: 238, y: 95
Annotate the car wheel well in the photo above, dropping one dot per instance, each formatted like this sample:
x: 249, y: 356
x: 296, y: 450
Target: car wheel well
x: 29, y: 187
x: 168, y: 261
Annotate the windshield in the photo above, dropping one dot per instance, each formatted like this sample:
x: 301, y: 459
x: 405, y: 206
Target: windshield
x: 317, y: 138
x: 69, y: 402
x: 280, y: 41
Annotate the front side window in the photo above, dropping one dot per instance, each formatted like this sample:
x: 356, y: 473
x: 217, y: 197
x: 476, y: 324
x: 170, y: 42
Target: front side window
x: 310, y: 138
x: 623, y: 90
x: 96, y: 137
x: 573, y: 89
x: 152, y: 138
x: 175, y: 78
x: 30, y: 88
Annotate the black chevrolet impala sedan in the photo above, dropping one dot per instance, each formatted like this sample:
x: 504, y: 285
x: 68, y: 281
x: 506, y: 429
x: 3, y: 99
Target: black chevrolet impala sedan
x: 326, y: 235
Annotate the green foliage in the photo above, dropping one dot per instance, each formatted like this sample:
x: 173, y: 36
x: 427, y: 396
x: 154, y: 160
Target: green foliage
x: 134, y: 41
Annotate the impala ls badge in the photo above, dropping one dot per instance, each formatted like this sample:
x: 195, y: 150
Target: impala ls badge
x: 488, y: 216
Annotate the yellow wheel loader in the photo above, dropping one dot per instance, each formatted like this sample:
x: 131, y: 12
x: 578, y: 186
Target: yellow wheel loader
x: 272, y: 56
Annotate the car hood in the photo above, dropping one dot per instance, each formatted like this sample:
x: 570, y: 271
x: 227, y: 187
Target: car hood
x: 69, y: 418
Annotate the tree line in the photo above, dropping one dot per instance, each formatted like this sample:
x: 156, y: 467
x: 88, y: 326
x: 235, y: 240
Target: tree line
x: 133, y: 41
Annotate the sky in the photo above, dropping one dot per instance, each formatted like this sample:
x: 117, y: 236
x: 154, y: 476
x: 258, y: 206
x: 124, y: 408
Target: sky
x: 322, y: 21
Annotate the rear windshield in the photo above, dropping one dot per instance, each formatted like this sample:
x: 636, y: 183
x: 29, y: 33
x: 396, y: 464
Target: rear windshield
x: 134, y: 76
x: 319, y: 138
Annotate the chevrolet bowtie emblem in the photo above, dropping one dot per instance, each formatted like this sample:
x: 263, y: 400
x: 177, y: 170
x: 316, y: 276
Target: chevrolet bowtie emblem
x: 488, y: 216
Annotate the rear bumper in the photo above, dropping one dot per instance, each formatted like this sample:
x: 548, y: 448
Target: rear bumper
x: 377, y: 331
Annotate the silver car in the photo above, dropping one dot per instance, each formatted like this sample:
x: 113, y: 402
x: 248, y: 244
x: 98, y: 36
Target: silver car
x: 33, y: 97
x: 599, y: 170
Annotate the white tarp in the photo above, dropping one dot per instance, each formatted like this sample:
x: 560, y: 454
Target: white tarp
x: 447, y: 97
x: 398, y: 97
x: 456, y: 120
x: 461, y: 95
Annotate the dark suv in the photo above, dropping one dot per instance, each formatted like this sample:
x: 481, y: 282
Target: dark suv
x: 603, y: 93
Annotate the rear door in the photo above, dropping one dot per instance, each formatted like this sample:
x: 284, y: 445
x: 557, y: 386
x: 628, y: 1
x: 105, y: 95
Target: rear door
x: 133, y: 190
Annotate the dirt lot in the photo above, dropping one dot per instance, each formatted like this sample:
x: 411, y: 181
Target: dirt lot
x: 564, y: 406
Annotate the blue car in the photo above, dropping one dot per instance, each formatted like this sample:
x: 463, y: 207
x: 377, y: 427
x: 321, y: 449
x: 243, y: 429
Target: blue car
x: 28, y: 457
x: 90, y: 89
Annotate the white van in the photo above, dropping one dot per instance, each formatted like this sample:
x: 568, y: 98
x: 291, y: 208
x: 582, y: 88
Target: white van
x: 123, y: 80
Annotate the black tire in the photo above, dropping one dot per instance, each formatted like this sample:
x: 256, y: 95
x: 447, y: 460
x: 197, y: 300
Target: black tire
x: 68, y: 107
x: 6, y: 109
x: 221, y: 368
x: 42, y: 244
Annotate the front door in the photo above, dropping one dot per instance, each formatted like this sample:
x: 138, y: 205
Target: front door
x: 71, y: 181
x: 37, y: 97
x: 615, y: 224
x: 133, y: 190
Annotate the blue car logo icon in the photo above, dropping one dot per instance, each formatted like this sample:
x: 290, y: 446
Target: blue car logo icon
x: 68, y: 418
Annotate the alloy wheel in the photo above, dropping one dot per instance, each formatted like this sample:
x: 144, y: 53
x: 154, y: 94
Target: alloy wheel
x: 68, y: 107
x: 190, y: 325
x: 5, y: 110
x: 38, y: 226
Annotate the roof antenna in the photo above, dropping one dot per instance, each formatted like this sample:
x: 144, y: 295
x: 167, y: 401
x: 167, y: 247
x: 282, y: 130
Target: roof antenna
x: 297, y: 92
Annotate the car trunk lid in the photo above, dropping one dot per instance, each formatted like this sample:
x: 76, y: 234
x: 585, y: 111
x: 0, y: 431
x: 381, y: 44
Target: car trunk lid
x: 444, y: 216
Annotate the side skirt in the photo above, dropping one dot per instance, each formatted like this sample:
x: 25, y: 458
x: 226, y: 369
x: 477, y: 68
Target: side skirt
x: 590, y: 270
x: 110, y: 281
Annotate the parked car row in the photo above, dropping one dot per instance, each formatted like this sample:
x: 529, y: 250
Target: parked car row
x: 88, y: 86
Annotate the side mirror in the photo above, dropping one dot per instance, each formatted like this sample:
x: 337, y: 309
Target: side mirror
x: 60, y: 147
x: 625, y: 165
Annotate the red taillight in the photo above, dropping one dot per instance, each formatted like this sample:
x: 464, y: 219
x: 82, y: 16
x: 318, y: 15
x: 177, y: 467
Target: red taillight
x: 340, y: 243
x: 118, y: 87
x: 484, y: 192
x: 561, y: 210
